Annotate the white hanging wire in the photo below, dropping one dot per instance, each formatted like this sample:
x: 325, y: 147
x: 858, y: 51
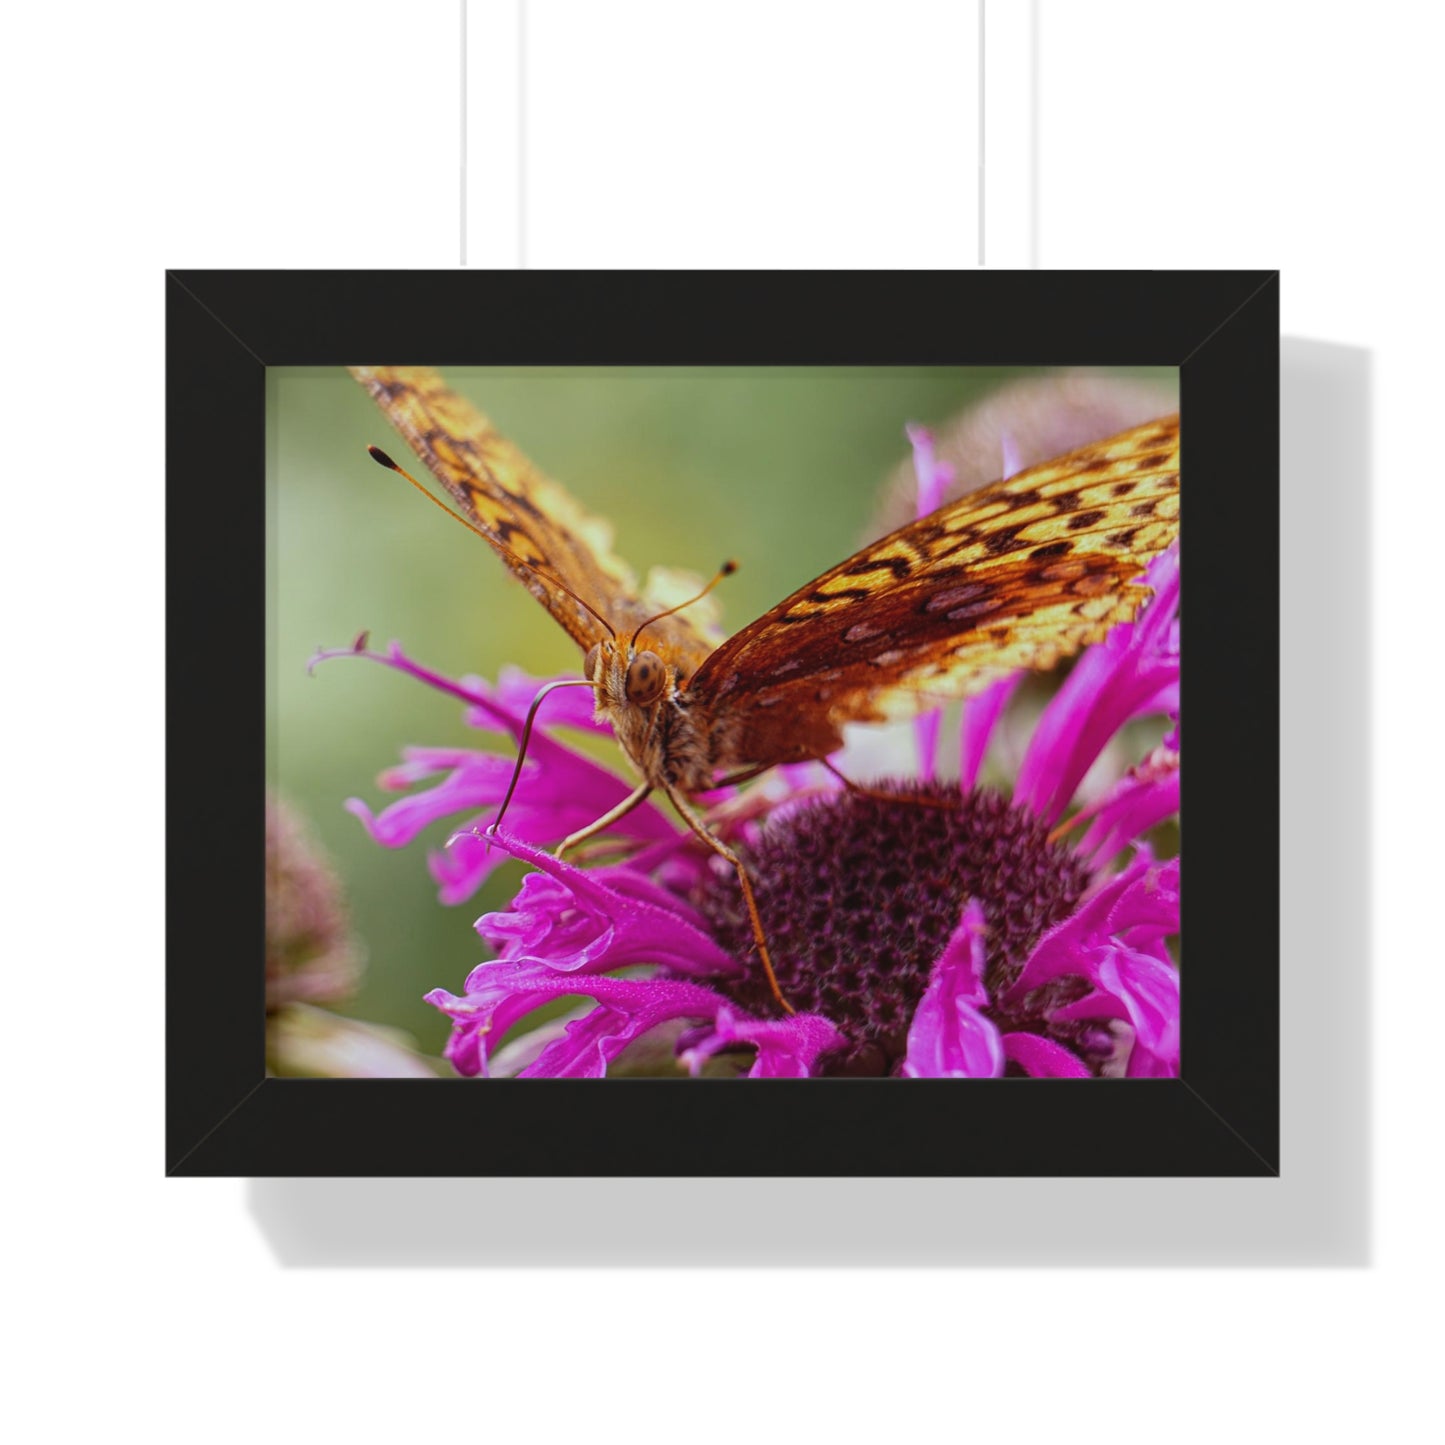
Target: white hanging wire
x: 981, y: 113
x: 522, y: 131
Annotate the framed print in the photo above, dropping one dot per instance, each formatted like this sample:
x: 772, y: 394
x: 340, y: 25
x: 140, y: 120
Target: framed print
x: 882, y: 876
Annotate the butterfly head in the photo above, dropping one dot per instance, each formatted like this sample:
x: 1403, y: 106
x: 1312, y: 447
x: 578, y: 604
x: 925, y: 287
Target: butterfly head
x: 627, y: 677
x: 637, y: 692
x: 630, y: 679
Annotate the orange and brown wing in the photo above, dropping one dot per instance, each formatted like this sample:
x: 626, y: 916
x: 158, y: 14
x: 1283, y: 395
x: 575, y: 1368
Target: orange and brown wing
x: 532, y: 522
x: 1020, y: 574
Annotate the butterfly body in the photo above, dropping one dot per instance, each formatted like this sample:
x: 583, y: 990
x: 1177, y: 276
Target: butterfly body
x: 674, y: 742
x: 639, y: 696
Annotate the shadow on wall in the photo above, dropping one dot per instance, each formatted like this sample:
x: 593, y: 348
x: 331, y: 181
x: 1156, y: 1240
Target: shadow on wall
x: 1316, y: 1213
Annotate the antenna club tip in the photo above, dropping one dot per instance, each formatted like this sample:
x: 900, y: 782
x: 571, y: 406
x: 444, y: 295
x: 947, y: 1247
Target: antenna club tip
x: 729, y: 567
x: 381, y: 458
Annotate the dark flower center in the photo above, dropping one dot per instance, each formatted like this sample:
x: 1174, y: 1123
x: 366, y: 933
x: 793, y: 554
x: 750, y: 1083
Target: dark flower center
x: 859, y: 896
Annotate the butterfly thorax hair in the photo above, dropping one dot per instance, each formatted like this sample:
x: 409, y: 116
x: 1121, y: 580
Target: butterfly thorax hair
x: 641, y: 696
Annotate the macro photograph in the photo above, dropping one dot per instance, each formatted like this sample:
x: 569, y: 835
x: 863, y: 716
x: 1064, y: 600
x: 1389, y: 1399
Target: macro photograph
x: 740, y: 723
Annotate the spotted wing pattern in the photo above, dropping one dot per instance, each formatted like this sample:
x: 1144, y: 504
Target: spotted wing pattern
x: 532, y: 522
x: 1020, y: 574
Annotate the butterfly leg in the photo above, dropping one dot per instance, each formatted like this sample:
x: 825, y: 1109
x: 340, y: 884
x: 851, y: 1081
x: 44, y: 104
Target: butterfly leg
x: 745, y: 776
x: 862, y: 792
x: 723, y: 851
x: 600, y: 825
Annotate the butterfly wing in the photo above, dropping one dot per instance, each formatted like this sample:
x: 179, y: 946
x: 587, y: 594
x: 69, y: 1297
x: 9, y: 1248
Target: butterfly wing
x: 531, y: 521
x: 1020, y: 574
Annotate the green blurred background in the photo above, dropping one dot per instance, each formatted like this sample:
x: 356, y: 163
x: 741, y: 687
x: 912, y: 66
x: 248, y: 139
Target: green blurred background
x: 779, y: 468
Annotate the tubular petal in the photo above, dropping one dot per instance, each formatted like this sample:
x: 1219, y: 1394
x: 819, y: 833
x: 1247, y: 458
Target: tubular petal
x: 950, y: 1037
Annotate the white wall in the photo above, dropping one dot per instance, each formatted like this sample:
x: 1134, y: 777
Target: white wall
x: 328, y: 134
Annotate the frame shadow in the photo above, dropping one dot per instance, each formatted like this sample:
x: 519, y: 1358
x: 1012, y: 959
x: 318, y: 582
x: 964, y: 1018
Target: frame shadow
x: 1317, y: 1212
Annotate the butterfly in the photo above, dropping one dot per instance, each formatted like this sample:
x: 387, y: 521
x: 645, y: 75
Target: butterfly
x: 1019, y: 574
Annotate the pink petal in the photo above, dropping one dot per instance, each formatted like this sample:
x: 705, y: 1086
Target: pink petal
x: 1042, y: 1058
x: 949, y: 1037
x: 1133, y: 671
x: 787, y: 1048
x: 980, y: 718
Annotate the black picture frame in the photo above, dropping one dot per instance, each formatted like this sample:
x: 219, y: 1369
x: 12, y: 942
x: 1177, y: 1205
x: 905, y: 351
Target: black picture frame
x: 226, y: 1117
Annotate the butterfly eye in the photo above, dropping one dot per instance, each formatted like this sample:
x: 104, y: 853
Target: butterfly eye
x: 646, y: 678
x: 589, y: 663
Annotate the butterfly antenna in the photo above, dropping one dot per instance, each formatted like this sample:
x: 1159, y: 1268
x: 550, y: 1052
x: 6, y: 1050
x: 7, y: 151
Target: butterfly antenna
x: 726, y: 570
x: 383, y: 460
x: 526, y: 738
